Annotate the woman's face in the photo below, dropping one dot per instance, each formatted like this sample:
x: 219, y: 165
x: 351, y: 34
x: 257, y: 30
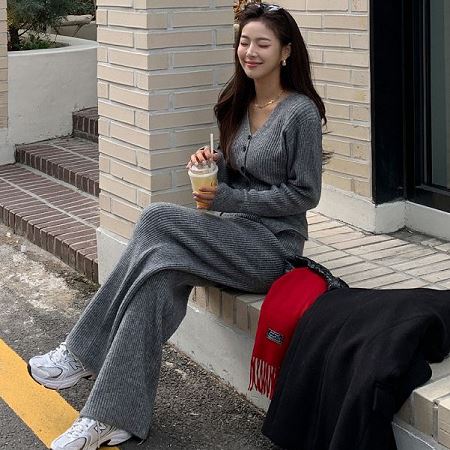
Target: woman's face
x: 260, y: 52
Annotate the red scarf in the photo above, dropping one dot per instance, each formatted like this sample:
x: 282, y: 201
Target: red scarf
x: 285, y: 303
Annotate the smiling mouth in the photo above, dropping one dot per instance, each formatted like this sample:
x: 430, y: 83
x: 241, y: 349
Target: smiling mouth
x: 251, y: 64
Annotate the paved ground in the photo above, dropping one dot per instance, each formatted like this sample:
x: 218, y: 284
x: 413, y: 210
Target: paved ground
x: 41, y: 298
x: 403, y: 259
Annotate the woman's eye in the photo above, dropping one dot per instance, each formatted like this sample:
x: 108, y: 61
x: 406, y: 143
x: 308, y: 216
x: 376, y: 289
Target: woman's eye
x: 264, y: 46
x: 243, y: 44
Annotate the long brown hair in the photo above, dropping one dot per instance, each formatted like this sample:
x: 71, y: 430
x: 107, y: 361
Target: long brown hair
x: 240, y: 90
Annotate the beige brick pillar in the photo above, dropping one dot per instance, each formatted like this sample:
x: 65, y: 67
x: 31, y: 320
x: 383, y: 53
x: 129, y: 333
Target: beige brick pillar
x: 6, y: 155
x: 337, y: 36
x: 161, y: 65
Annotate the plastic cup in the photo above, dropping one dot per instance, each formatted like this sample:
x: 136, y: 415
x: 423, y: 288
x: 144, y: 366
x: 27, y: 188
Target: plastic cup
x: 203, y: 175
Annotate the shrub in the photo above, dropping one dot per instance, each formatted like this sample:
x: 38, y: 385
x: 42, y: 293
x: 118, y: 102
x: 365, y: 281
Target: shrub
x: 83, y: 7
x: 35, y: 16
x: 35, y: 42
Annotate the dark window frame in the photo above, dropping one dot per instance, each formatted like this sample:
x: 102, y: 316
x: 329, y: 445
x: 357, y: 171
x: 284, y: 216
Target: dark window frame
x: 386, y: 73
x: 400, y: 74
x: 417, y: 75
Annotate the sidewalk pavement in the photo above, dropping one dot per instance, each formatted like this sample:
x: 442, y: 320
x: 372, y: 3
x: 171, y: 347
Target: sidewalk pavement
x: 404, y: 259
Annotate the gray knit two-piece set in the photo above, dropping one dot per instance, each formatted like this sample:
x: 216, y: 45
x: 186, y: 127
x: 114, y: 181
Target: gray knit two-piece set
x: 262, y: 223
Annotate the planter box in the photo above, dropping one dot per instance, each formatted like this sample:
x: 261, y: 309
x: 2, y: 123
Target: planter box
x: 46, y: 86
x: 88, y: 31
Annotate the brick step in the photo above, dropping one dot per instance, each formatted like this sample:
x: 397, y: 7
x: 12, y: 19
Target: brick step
x: 85, y: 124
x: 69, y: 159
x: 52, y: 215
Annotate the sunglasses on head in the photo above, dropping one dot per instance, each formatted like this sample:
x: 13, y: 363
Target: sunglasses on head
x: 267, y: 7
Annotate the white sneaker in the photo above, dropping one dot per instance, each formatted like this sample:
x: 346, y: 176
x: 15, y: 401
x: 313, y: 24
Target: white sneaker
x: 89, y: 434
x: 58, y: 369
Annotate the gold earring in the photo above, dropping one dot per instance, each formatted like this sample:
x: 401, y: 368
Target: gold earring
x: 283, y: 63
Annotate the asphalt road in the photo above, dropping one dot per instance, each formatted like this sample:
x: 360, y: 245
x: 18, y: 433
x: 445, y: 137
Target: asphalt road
x: 40, y: 300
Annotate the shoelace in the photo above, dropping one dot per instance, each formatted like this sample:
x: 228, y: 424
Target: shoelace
x: 62, y: 354
x: 79, y: 427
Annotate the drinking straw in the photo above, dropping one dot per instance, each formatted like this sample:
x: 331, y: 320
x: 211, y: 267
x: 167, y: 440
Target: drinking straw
x: 211, y: 141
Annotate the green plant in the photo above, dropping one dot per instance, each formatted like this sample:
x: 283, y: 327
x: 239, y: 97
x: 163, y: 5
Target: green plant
x: 34, y: 15
x: 83, y: 7
x: 34, y: 42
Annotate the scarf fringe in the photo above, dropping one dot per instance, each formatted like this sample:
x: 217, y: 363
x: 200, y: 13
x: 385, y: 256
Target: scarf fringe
x: 263, y: 377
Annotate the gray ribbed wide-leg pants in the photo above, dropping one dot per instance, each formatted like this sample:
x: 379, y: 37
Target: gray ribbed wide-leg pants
x: 120, y: 334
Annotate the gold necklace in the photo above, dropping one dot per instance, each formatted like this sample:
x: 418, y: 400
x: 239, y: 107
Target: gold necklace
x: 270, y: 102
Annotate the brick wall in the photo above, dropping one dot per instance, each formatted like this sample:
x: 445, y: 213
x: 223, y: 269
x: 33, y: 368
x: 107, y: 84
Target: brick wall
x: 3, y: 67
x: 337, y: 36
x: 161, y: 64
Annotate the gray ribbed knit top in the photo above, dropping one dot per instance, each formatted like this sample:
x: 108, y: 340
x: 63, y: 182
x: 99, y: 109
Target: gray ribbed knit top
x: 279, y: 167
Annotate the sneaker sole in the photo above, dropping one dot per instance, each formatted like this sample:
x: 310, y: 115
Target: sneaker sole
x: 117, y: 440
x: 57, y: 385
x: 108, y: 442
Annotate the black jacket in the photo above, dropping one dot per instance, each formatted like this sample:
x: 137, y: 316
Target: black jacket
x: 355, y: 357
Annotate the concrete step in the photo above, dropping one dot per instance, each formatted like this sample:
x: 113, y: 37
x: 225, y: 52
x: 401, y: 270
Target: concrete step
x: 53, y: 215
x: 69, y: 159
x: 85, y: 124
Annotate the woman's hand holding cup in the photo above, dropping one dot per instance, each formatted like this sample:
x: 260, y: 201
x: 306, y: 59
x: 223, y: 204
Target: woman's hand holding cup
x: 203, y: 154
x: 203, y: 175
x: 205, y: 196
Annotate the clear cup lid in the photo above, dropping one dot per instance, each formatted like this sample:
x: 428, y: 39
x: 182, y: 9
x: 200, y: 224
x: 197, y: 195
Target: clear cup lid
x: 204, y: 167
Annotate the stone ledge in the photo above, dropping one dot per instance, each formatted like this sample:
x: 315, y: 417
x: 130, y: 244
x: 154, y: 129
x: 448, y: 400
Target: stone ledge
x: 233, y: 307
x: 428, y: 408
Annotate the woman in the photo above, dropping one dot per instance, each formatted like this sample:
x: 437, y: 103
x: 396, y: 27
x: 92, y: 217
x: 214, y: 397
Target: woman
x: 270, y: 119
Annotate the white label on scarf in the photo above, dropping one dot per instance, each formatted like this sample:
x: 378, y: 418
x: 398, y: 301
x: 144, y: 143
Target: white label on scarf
x: 274, y: 336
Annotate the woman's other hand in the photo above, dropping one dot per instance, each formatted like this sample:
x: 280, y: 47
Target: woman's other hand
x: 201, y: 155
x: 205, y: 196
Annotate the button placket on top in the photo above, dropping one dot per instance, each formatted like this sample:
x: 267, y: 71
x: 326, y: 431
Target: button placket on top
x: 245, y: 149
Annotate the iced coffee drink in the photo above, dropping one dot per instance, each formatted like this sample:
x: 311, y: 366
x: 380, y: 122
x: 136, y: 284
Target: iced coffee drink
x: 203, y: 175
